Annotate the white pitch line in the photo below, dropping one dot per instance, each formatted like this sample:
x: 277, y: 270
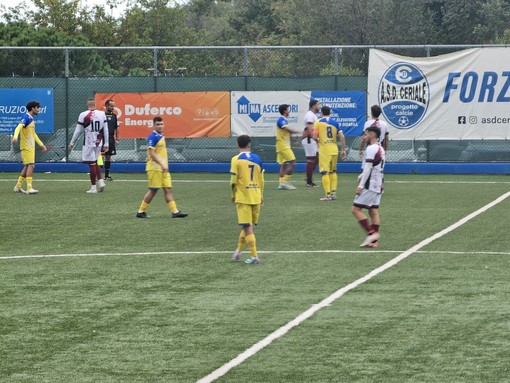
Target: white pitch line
x: 337, y: 294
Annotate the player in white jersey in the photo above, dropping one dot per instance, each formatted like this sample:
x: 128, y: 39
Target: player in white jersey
x: 382, y: 125
x: 370, y: 188
x: 309, y: 144
x: 93, y: 124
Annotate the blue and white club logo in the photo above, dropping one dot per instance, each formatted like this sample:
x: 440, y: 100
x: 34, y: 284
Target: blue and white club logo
x: 404, y: 95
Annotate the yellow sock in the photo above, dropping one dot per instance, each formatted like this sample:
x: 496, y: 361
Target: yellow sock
x: 252, y: 244
x: 29, y: 183
x: 287, y: 178
x: 20, y: 182
x: 143, y: 207
x: 172, y: 206
x: 326, y: 184
x: 281, y: 180
x: 333, y: 182
x: 242, y: 241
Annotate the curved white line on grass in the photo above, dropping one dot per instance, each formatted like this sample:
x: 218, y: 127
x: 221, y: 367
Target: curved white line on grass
x: 337, y: 294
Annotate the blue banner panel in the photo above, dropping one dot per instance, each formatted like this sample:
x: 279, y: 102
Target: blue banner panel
x: 349, y: 109
x: 13, y: 106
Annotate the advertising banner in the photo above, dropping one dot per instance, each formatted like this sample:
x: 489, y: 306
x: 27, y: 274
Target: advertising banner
x: 461, y: 95
x: 185, y: 114
x: 13, y: 106
x: 256, y: 113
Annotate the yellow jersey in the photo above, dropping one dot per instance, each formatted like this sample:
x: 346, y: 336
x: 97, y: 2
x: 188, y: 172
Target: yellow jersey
x: 26, y: 128
x: 247, y: 178
x: 157, y: 142
x: 282, y: 134
x: 327, y: 129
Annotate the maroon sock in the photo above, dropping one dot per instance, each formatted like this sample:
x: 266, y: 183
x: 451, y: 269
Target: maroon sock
x: 375, y: 228
x: 98, y: 172
x: 93, y: 173
x: 309, y: 172
x: 364, y: 224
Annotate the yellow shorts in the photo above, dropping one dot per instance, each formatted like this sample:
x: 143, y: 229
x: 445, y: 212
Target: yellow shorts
x: 327, y: 162
x: 247, y: 214
x: 28, y: 156
x: 158, y: 180
x: 286, y: 155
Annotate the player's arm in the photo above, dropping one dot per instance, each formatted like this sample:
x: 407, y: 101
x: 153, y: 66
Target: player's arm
x: 233, y: 178
x: 308, y: 132
x: 315, y: 134
x: 17, y: 131
x: 106, y: 137
x: 261, y: 183
x: 343, y: 154
x: 157, y: 159
x: 364, y: 176
x: 77, y: 133
x: 39, y: 142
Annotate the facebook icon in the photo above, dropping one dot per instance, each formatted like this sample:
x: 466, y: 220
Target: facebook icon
x: 461, y: 120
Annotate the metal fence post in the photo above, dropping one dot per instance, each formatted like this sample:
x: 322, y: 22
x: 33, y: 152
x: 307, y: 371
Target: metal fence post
x: 66, y: 107
x: 155, y: 67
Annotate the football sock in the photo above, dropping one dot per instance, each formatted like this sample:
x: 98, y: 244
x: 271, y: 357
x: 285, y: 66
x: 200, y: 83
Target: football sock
x: 172, y: 206
x: 288, y: 178
x: 364, y: 224
x: 309, y: 171
x: 333, y: 181
x: 93, y: 173
x: 143, y: 206
x: 29, y: 183
x: 241, y: 241
x: 107, y: 165
x: 20, y: 182
x: 326, y: 184
x: 375, y: 228
x: 281, y: 180
x: 252, y: 244
x: 99, y: 174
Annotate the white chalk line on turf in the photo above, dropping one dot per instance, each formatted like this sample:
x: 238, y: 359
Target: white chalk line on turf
x: 337, y: 294
x: 223, y: 252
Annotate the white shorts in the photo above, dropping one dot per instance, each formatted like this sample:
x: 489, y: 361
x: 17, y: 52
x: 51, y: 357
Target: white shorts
x: 90, y: 153
x: 367, y: 199
x: 311, y: 149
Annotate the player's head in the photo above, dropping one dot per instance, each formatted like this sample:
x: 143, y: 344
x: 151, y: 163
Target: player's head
x: 109, y: 104
x: 33, y: 107
x: 157, y: 123
x: 284, y: 109
x: 325, y: 110
x: 314, y: 105
x: 376, y: 111
x: 91, y: 103
x: 373, y: 131
x: 243, y: 141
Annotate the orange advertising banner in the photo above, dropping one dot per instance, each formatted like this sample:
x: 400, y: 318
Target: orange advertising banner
x: 185, y: 114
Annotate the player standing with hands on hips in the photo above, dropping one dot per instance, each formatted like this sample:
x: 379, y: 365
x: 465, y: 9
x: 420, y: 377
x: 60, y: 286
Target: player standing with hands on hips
x: 370, y: 188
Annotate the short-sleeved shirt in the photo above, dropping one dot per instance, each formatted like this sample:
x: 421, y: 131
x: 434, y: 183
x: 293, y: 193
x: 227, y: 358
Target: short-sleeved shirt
x: 157, y: 142
x: 327, y: 129
x: 113, y: 124
x: 282, y: 134
x: 95, y: 128
x: 381, y: 125
x: 246, y: 172
x: 375, y: 154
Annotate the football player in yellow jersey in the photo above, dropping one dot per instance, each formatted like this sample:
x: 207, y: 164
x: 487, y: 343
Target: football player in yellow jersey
x: 27, y: 145
x: 157, y: 172
x: 247, y: 183
x: 284, y: 154
x: 326, y: 130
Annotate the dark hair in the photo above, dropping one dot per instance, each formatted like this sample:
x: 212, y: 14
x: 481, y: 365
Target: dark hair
x: 243, y: 141
x: 33, y: 104
x: 282, y: 108
x: 313, y: 103
x: 326, y: 110
x: 374, y: 129
x: 157, y: 119
x: 376, y: 110
x: 107, y: 102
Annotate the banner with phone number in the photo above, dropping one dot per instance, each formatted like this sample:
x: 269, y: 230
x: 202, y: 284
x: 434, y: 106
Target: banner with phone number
x: 185, y: 114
